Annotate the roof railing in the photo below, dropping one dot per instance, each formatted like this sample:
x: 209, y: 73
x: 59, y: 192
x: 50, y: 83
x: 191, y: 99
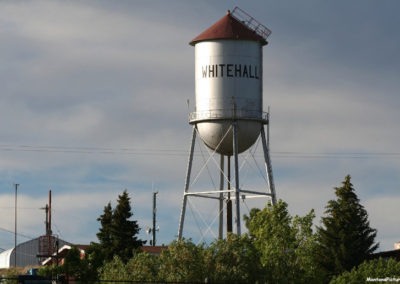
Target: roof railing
x: 251, y: 23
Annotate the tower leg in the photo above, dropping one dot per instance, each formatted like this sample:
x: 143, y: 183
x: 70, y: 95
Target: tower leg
x: 229, y: 201
x: 187, y: 182
x: 268, y: 166
x: 237, y: 190
x: 221, y: 199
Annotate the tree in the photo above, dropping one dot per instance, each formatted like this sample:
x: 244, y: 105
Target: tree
x: 143, y: 267
x: 94, y: 256
x: 286, y: 244
x: 345, y: 238
x: 183, y: 261
x: 105, y: 234
x: 124, y: 230
x: 233, y: 260
x: 374, y: 269
x: 74, y: 265
x: 118, y: 233
x: 114, y: 269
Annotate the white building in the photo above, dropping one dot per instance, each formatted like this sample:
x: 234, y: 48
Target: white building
x: 27, y: 253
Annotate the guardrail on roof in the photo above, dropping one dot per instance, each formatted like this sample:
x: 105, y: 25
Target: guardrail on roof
x: 251, y: 23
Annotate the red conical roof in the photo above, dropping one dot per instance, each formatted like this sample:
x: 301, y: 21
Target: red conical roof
x: 229, y: 28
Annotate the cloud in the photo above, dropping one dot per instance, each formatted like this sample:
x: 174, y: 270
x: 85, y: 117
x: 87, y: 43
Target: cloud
x: 94, y: 101
x: 383, y: 212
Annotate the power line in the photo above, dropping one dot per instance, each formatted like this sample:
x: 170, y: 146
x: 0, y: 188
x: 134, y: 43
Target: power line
x: 178, y: 152
x: 19, y: 234
x: 19, y: 208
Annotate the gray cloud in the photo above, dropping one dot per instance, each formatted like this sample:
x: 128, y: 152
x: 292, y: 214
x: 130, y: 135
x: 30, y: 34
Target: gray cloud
x: 93, y: 100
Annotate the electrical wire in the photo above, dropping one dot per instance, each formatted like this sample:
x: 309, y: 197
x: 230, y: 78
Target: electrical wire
x: 54, y: 223
x: 178, y: 152
x: 18, y: 234
x: 19, y: 208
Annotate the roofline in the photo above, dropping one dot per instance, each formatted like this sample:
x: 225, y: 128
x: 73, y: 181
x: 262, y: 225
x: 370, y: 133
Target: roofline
x: 213, y: 32
x: 44, y: 262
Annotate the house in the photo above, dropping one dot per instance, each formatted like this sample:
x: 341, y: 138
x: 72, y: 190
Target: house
x: 62, y: 252
x: 59, y: 257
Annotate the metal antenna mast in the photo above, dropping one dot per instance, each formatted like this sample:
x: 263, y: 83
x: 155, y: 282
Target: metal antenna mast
x: 15, y: 222
x: 154, y: 217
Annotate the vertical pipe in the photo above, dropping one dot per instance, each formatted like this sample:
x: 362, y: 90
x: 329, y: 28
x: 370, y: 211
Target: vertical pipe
x: 221, y: 198
x: 229, y: 201
x: 187, y: 182
x: 237, y: 190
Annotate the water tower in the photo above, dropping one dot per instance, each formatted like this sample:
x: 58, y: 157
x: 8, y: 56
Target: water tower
x: 229, y: 114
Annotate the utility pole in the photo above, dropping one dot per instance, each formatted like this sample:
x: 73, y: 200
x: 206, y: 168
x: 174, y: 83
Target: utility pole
x: 15, y: 223
x: 154, y: 217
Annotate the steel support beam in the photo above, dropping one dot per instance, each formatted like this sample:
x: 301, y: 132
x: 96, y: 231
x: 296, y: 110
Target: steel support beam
x: 268, y: 165
x: 211, y: 192
x: 237, y: 190
x: 187, y: 182
x: 229, y: 201
x: 221, y: 198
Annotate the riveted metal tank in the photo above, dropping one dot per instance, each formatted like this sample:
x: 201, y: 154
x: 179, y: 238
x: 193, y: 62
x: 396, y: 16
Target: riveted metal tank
x: 228, y: 84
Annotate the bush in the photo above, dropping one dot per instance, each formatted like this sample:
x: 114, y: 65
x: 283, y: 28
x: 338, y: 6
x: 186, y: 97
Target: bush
x: 372, y: 269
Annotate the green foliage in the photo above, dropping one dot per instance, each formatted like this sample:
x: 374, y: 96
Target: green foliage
x: 279, y: 248
x: 143, y: 267
x: 345, y: 239
x: 105, y: 232
x: 373, y: 269
x: 117, y: 234
x: 50, y: 271
x: 123, y: 230
x: 233, y: 260
x: 94, y: 257
x: 74, y: 266
x: 286, y: 245
x: 12, y: 275
x: 183, y: 261
x: 114, y: 270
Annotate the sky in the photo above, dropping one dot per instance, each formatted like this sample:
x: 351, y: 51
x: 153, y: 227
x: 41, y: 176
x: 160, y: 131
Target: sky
x: 94, y: 95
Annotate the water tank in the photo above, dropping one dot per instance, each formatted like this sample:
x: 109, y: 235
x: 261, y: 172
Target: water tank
x: 228, y: 84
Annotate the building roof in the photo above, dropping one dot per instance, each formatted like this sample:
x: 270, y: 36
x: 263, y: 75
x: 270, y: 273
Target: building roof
x: 62, y: 252
x: 153, y: 250
x: 229, y: 28
x: 387, y: 254
x: 27, y: 253
x: 5, y: 258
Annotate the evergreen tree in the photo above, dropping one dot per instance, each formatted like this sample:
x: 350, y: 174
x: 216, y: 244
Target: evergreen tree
x: 105, y: 232
x: 345, y: 239
x: 117, y: 234
x: 124, y: 230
